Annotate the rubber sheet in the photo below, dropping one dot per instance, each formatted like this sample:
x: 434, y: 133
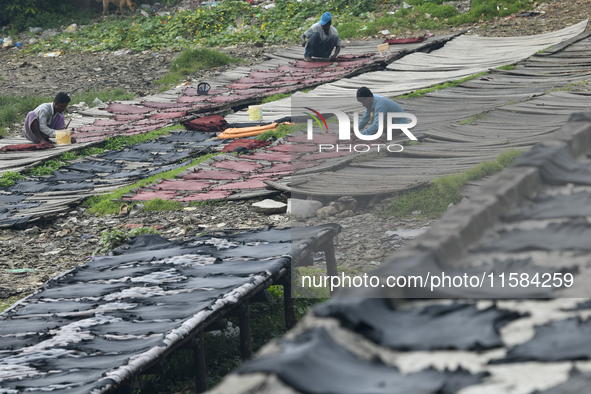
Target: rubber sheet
x: 309, y: 365
x: 237, y: 165
x: 211, y: 195
x: 115, y: 307
x: 569, y: 235
x: 143, y: 195
x: 248, y: 143
x: 42, y: 187
x: 207, y: 124
x: 433, y: 327
x: 556, y: 165
x: 170, y: 184
x: 576, y: 383
x: 93, y: 167
x: 168, y: 115
x: 26, y: 147
x: 126, y: 109
x: 563, y: 340
x: 187, y: 136
x: 248, y: 184
x: 551, y: 207
x: 213, y: 174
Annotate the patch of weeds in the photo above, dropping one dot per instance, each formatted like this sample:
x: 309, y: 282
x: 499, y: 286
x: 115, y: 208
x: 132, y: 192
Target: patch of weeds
x: 451, y: 84
x: 9, y: 178
x: 103, y: 205
x: 543, y: 50
x: 47, y: 168
x: 110, y: 239
x: 512, y: 102
x: 433, y: 199
x: 413, y: 143
x: 191, y: 60
x: 7, y: 302
x: 568, y: 88
x: 207, y: 203
x: 1, y: 78
x: 275, y: 97
x: 507, y: 67
x: 281, y: 131
x: 474, y: 118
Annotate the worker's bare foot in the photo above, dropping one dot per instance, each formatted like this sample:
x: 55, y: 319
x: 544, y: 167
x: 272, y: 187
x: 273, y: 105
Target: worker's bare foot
x: 307, y: 58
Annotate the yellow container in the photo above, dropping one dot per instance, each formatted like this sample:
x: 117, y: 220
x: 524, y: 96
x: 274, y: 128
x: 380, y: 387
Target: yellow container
x: 63, y: 137
x: 255, y: 112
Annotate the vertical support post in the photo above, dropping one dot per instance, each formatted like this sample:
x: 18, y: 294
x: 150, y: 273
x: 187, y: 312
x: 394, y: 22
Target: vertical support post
x: 199, y: 357
x: 245, y: 339
x: 331, y: 260
x: 289, y: 301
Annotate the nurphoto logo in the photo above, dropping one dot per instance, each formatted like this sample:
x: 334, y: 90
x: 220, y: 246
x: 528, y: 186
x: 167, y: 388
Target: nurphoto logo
x: 393, y: 122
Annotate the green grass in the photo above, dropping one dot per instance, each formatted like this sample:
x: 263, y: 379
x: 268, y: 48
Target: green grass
x: 275, y: 97
x: 543, y: 50
x: 234, y: 22
x: 6, y: 303
x: 474, y: 118
x: 103, y: 205
x: 569, y: 87
x: 8, y: 178
x: 15, y: 108
x: 451, y: 84
x: 507, y: 67
x: 112, y: 143
x: 159, y: 205
x: 433, y: 199
x: 281, y: 131
x: 192, y: 60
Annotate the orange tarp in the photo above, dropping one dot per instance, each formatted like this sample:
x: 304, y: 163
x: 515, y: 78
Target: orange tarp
x: 247, y: 131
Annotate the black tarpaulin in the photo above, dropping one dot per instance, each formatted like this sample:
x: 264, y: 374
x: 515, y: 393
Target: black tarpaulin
x: 550, y: 207
x: 187, y: 136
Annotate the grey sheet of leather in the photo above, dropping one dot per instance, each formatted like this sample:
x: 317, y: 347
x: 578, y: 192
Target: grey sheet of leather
x: 172, y: 156
x: 208, y: 143
x: 563, y: 340
x: 549, y: 207
x: 309, y: 365
x: 580, y: 117
x: 128, y: 155
x: 556, y: 165
x: 187, y: 136
x: 577, y: 383
x: 16, y: 206
x: 119, y: 306
x: 19, y: 223
x: 48, y: 186
x: 94, y: 167
x: 433, y: 327
x: 11, y: 198
x: 156, y: 146
x: 167, y: 168
x: 427, y: 262
x: 570, y: 235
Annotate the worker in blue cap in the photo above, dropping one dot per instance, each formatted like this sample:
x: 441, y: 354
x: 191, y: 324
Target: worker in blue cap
x: 322, y: 39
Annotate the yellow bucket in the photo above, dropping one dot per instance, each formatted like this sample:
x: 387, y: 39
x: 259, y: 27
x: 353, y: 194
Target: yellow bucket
x: 255, y: 112
x: 63, y: 137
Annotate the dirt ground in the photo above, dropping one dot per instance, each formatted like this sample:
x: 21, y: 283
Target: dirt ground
x: 29, y: 258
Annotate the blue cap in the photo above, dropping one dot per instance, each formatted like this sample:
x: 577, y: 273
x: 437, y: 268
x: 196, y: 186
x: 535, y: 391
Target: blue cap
x: 326, y: 17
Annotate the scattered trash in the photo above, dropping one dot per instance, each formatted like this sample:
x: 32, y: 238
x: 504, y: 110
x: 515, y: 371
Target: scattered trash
x: 416, y: 212
x: 53, y: 54
x: 385, y: 32
x: 21, y: 270
x: 97, y: 101
x: 430, y: 34
x: 269, y: 6
x: 144, y: 13
x: 137, y: 208
x: 406, y: 5
x: 35, y: 30
x: 7, y: 43
x: 182, y: 84
x: 18, y: 45
x: 122, y: 52
x: 73, y: 28
x: 530, y: 13
x: 32, y: 41
x: 124, y: 209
